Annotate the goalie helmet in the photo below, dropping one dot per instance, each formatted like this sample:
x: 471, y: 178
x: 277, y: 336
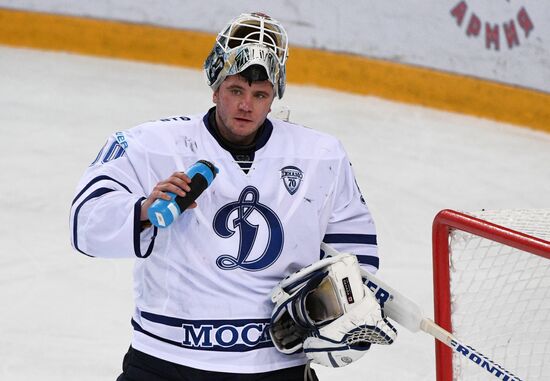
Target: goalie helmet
x: 250, y: 39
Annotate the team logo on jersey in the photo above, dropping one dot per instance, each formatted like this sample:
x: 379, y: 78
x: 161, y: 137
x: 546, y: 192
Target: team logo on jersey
x: 292, y: 178
x: 257, y: 225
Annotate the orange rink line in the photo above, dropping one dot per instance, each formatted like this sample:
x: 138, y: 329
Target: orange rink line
x: 343, y: 72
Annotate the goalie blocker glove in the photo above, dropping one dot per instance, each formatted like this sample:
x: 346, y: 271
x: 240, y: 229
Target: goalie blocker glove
x: 326, y: 311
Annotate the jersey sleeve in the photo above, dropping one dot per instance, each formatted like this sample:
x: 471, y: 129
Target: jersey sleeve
x: 105, y: 212
x: 351, y: 227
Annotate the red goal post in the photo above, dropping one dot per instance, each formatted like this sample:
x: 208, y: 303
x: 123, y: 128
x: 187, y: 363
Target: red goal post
x: 445, y: 223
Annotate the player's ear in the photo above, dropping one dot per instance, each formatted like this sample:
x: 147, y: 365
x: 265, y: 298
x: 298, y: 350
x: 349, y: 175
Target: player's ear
x: 215, y: 96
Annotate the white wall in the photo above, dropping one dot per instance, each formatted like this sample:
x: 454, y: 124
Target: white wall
x: 424, y: 33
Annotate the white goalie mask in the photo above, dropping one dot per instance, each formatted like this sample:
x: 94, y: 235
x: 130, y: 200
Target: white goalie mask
x: 250, y: 39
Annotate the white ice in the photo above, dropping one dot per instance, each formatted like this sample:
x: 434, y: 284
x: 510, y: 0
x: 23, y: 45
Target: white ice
x: 64, y: 316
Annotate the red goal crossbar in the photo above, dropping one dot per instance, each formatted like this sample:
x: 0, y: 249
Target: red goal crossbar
x: 444, y: 222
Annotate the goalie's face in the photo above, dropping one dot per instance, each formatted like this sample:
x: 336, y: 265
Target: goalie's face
x: 242, y: 107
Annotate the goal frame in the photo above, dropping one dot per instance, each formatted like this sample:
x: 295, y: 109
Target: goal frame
x: 444, y: 222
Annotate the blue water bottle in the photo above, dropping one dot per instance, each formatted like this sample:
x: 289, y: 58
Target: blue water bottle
x: 163, y: 212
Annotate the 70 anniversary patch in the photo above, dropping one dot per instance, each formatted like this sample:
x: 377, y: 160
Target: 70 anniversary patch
x: 292, y: 178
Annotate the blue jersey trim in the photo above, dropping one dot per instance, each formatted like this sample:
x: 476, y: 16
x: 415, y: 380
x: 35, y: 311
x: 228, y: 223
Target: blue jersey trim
x: 178, y: 322
x: 210, y: 335
x: 98, y: 179
x: 97, y: 193
x: 357, y: 239
x: 138, y: 328
x: 137, y: 232
x: 365, y: 239
x: 368, y: 260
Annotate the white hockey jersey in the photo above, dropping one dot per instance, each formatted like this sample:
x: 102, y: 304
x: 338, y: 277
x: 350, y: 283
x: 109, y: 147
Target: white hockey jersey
x: 202, y: 286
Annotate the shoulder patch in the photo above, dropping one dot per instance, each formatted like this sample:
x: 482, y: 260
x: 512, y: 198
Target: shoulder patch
x: 292, y: 178
x: 112, y: 150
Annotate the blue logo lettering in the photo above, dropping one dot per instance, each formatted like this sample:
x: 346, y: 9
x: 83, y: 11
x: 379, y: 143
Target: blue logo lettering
x: 194, y: 339
x: 226, y: 337
x: 247, y: 205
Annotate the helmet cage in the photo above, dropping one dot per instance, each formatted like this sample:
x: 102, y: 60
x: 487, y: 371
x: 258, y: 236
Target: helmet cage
x: 250, y: 39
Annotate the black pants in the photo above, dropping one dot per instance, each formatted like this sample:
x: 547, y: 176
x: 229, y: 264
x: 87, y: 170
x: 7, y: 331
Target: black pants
x: 139, y: 366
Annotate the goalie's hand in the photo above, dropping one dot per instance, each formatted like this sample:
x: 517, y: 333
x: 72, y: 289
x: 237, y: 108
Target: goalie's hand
x: 326, y: 311
x: 286, y: 334
x: 346, y: 339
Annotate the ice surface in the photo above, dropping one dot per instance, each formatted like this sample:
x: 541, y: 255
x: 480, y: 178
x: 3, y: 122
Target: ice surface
x: 65, y: 316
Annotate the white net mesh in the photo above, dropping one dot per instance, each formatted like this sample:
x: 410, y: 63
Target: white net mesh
x: 500, y: 298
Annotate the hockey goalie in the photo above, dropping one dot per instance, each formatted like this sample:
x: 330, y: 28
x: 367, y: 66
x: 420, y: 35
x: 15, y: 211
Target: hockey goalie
x: 326, y: 311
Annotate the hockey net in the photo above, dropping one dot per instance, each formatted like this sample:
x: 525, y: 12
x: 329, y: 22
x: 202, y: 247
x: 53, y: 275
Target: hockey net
x: 492, y: 291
